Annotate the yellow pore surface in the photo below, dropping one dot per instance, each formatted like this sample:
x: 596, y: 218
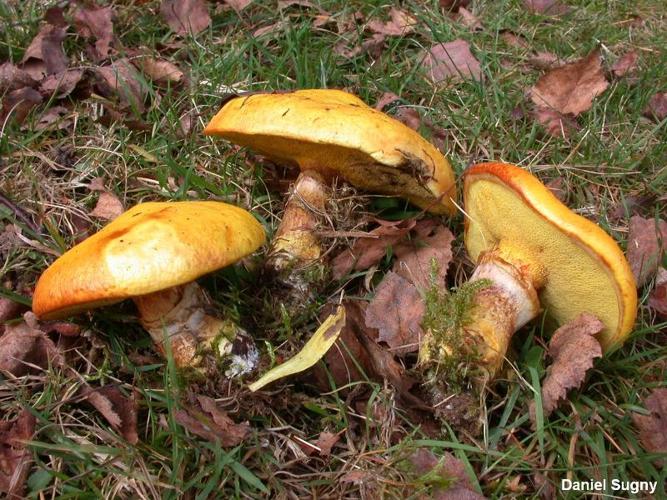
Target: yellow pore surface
x: 336, y: 133
x: 584, y: 269
x: 150, y: 247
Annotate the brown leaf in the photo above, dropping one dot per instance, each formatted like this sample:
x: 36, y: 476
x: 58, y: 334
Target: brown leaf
x: 658, y: 298
x: 409, y: 116
x: 555, y: 123
x: 19, y: 103
x: 122, y: 80
x: 238, y: 5
x: 397, y: 311
x: 385, y: 100
x: 657, y: 107
x: 653, y: 427
x: 625, y: 64
x: 514, y: 40
x: 61, y: 84
x: 271, y: 28
x: 212, y: 423
x: 647, y: 243
x: 546, y: 7
x: 108, y: 206
x: 23, y: 345
x: 451, y: 61
x: 366, y: 252
x: 9, y: 309
x: 469, y: 20
x: 453, y: 5
x: 572, y: 348
x: 545, y: 60
x: 91, y: 22
x: 414, y: 258
x: 372, y: 46
x: 120, y: 411
x: 185, y: 16
x: 450, y: 469
x: 159, y: 70
x: 54, y: 116
x: 556, y: 186
x: 14, y: 78
x: 571, y: 88
x: 400, y: 23
x: 326, y: 441
x: 44, y: 55
x: 14, y: 457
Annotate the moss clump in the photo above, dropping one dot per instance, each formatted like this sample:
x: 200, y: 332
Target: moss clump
x: 447, y: 355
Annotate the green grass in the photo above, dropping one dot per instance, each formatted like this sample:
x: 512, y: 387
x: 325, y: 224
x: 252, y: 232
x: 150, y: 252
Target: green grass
x: 616, y: 154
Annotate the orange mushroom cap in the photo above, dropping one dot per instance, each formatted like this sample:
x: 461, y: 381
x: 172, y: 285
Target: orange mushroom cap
x: 151, y: 247
x: 336, y: 133
x: 584, y: 268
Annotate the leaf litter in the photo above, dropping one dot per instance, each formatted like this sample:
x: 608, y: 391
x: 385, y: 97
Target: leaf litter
x: 15, y: 457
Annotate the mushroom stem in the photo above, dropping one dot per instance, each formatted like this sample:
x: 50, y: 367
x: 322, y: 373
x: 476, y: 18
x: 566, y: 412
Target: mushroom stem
x: 181, y: 316
x: 500, y: 309
x: 295, y: 243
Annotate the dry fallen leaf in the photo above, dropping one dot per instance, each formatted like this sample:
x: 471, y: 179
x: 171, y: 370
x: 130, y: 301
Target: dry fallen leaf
x: 120, y: 411
x: 449, y: 468
x: 326, y: 441
x: 400, y: 23
x: 44, y: 55
x: 453, y: 5
x: 238, y: 5
x: 658, y: 298
x: 625, y: 64
x: 8, y: 309
x: 469, y: 20
x: 385, y: 100
x: 92, y: 22
x: 555, y: 123
x: 514, y: 40
x: 657, y: 106
x: 372, y: 46
x: 24, y: 346
x: 185, y: 16
x: 653, y: 427
x: 13, y: 78
x: 14, y: 457
x: 547, y: 7
x: 368, y: 251
x: 108, y: 206
x: 54, y: 118
x: 210, y: 422
x: 397, y: 311
x: 159, y: 70
x: 647, y: 243
x: 60, y: 85
x: 571, y: 88
x: 122, y: 80
x: 573, y: 348
x: 451, y: 61
x: 545, y: 60
x: 415, y: 257
x: 19, y: 103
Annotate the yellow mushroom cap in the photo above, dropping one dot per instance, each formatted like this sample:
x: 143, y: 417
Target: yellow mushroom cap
x: 336, y: 133
x: 585, y: 270
x: 151, y: 247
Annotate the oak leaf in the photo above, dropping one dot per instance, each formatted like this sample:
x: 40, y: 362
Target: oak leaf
x: 653, y: 427
x: 451, y: 61
x: 400, y: 23
x: 24, y: 347
x: 397, y: 311
x: 570, y: 89
x: 658, y: 298
x: 625, y: 64
x: 573, y: 348
x: 647, y: 243
x: 450, y: 469
x: 657, y: 106
x: 108, y: 206
x: 208, y: 421
x: 14, y: 457
x: 119, y: 410
x: 185, y: 16
x: 91, y: 22
x: 45, y: 55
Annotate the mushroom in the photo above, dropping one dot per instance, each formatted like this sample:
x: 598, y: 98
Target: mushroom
x: 328, y: 134
x: 153, y: 253
x: 536, y: 253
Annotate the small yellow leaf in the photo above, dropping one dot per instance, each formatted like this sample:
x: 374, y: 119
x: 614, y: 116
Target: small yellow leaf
x: 318, y: 345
